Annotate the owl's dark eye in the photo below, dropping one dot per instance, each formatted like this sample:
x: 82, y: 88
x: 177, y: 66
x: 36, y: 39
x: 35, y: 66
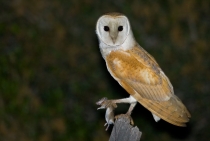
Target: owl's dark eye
x: 120, y: 28
x: 106, y: 28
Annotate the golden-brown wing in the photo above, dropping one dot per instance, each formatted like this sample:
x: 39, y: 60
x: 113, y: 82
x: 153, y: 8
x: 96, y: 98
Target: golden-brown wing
x: 172, y: 111
x: 138, y: 70
x: 139, y: 74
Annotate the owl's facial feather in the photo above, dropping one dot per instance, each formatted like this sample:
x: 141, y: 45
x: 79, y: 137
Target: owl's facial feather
x: 113, y: 29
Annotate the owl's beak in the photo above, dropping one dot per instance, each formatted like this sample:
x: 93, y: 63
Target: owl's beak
x: 113, y: 32
x: 113, y: 35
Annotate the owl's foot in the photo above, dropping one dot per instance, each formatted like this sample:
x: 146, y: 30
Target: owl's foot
x: 110, y: 105
x: 105, y: 103
x: 127, y: 115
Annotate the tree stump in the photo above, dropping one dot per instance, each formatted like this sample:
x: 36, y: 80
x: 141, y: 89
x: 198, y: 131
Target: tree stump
x: 123, y: 131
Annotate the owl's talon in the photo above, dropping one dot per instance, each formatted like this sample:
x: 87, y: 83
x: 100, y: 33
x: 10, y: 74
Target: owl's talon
x: 101, y: 101
x: 105, y: 103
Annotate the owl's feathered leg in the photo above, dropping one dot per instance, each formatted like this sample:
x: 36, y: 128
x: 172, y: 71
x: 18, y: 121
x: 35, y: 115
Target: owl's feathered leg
x: 131, y: 108
x: 110, y: 105
x: 128, y: 114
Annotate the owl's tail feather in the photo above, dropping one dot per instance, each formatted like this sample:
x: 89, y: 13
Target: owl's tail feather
x: 172, y: 111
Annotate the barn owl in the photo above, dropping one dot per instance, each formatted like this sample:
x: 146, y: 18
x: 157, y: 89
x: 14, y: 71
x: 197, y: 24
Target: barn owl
x: 137, y: 72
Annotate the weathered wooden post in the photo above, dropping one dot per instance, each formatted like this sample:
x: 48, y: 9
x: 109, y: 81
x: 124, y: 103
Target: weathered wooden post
x: 124, y: 131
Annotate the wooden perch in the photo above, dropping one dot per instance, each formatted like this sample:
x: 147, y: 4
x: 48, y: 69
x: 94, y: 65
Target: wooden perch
x: 123, y: 131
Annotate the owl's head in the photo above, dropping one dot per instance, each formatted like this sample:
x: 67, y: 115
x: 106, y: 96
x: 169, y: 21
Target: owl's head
x: 113, y: 29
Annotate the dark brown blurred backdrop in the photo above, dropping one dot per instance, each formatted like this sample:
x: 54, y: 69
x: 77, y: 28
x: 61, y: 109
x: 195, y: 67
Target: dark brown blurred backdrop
x: 52, y: 73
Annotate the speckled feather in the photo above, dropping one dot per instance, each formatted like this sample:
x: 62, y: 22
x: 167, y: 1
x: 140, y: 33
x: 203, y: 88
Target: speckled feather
x: 140, y: 75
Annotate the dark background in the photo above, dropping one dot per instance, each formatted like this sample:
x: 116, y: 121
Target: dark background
x: 52, y: 72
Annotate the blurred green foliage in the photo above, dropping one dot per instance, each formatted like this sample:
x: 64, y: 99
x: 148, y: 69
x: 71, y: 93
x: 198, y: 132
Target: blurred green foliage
x: 52, y: 73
